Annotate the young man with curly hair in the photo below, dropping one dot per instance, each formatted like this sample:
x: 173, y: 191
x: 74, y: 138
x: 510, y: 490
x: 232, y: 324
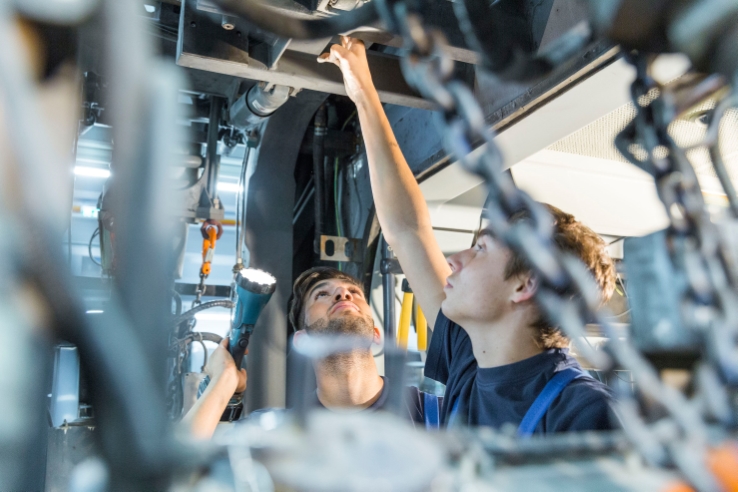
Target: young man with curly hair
x: 508, y: 364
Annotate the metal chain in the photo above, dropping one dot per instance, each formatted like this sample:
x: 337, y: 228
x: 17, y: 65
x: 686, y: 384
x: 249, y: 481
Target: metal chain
x: 567, y: 293
x: 199, y: 291
x: 696, y: 245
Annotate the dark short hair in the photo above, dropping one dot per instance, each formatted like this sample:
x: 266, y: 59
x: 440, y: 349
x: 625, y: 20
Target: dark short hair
x: 573, y: 237
x: 305, y: 282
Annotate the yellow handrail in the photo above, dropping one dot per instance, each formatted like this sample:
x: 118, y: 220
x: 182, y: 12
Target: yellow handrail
x: 403, y: 331
x: 422, y: 329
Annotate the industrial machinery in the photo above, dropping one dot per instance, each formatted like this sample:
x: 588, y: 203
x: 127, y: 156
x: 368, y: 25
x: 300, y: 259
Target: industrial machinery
x: 146, y: 119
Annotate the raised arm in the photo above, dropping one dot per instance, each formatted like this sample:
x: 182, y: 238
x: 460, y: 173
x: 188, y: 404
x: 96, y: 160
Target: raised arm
x: 401, y: 208
x: 225, y: 381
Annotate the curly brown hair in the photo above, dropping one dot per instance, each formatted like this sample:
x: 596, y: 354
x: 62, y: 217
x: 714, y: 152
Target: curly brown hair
x: 305, y: 282
x: 573, y: 237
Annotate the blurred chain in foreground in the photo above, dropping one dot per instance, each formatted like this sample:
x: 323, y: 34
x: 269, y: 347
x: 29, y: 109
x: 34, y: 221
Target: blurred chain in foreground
x: 567, y: 293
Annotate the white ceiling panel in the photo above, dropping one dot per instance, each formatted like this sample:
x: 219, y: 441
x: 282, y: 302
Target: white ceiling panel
x: 611, y: 197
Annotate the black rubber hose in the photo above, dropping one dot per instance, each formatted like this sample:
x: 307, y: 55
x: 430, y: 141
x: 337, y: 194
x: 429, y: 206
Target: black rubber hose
x: 290, y: 27
x: 196, y: 336
x: 208, y: 337
x: 318, y: 178
x: 202, y: 307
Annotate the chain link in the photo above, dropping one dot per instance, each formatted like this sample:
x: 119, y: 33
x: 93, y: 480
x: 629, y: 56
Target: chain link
x: 709, y: 308
x: 199, y: 291
x: 567, y: 293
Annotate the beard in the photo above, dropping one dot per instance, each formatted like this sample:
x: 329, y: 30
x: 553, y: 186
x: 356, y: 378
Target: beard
x: 359, y: 328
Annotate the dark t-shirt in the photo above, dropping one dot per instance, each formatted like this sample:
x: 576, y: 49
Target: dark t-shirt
x: 499, y: 395
x: 413, y: 404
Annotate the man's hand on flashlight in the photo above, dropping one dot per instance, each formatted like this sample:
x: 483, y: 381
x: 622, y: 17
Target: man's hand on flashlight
x: 222, y: 367
x: 350, y: 57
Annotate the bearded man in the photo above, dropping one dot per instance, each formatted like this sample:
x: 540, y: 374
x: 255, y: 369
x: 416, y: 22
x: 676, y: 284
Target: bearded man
x: 325, y: 303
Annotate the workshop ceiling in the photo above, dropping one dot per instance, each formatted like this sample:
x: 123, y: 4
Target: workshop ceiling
x: 583, y: 173
x: 596, y: 139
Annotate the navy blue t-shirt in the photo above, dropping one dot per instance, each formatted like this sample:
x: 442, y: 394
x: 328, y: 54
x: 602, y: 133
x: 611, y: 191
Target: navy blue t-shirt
x: 499, y: 395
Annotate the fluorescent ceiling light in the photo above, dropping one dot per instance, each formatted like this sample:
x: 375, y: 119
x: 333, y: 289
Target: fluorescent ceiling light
x: 233, y: 187
x: 93, y: 172
x: 95, y: 311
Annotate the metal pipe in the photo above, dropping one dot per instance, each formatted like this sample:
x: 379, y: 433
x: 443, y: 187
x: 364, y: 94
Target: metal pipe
x: 241, y: 212
x: 213, y: 161
x: 301, y: 375
x: 395, y: 362
x: 226, y: 303
x: 177, y: 302
x: 388, y: 295
x: 318, y: 158
x: 257, y: 104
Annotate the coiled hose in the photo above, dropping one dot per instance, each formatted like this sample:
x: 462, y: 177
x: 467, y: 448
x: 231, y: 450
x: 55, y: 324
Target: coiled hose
x: 202, y: 307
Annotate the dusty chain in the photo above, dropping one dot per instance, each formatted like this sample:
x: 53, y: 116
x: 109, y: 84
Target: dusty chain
x: 567, y: 293
x: 711, y: 304
x: 561, y: 276
x: 199, y: 291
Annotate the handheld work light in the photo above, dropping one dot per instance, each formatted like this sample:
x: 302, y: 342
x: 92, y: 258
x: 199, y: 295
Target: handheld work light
x: 254, y: 288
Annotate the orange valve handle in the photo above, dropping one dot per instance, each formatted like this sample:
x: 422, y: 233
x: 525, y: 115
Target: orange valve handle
x: 209, y: 224
x: 211, y: 231
x: 723, y: 463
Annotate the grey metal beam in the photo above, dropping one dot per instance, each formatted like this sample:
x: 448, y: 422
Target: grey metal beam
x: 269, y: 210
x: 206, y: 46
x: 437, y: 13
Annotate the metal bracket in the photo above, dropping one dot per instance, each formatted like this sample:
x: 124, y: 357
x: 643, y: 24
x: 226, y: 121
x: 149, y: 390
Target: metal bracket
x: 338, y: 248
x: 390, y: 265
x: 204, y: 45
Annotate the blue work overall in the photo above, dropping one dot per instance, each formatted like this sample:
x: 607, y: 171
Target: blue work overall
x: 532, y: 417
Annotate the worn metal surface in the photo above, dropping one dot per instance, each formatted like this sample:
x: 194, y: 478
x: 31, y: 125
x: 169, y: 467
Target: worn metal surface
x: 269, y: 211
x: 66, y: 449
x: 504, y: 105
x: 64, y: 403
x: 206, y: 46
x: 388, y: 293
x: 336, y: 248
